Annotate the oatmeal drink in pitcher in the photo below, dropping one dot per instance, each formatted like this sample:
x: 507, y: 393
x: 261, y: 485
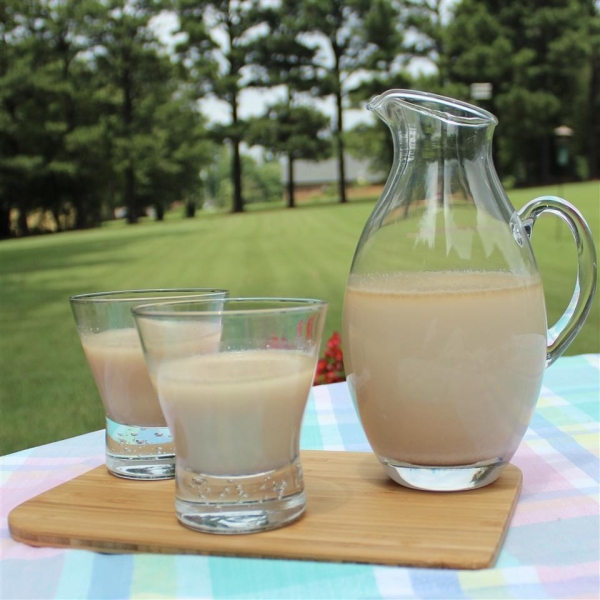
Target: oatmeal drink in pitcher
x: 445, y: 332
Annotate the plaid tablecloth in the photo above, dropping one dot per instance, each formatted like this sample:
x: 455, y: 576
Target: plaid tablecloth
x: 552, y: 549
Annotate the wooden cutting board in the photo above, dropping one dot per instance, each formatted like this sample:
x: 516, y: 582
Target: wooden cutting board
x: 354, y: 514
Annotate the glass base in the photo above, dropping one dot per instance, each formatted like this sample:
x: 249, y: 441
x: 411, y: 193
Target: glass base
x: 444, y: 478
x: 240, y: 504
x: 250, y: 517
x: 139, y: 452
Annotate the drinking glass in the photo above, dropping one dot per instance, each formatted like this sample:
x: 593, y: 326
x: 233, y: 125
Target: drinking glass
x: 235, y: 412
x: 138, y: 442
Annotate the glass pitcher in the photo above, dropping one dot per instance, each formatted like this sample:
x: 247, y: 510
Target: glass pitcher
x: 445, y: 333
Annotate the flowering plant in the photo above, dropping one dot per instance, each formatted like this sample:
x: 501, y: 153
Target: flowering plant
x: 330, y: 368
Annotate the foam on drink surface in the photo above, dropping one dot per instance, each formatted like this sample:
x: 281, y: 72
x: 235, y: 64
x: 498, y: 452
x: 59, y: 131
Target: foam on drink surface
x: 439, y: 282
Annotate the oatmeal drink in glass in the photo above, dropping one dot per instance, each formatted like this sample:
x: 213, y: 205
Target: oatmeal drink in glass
x: 138, y: 442
x: 235, y: 413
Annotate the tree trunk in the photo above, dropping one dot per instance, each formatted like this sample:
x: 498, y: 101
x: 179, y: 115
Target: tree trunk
x: 190, y: 209
x: 340, y: 148
x: 5, y: 231
x: 236, y: 174
x: 236, y: 162
x: 160, y: 212
x: 129, y: 200
x: 129, y: 192
x: 546, y: 165
x: 340, y: 132
x: 56, y: 216
x: 22, y: 223
x: 80, y: 215
x: 96, y: 214
x: 290, y: 183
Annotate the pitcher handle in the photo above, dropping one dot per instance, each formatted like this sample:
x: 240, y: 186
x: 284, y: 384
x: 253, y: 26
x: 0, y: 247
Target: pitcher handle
x: 566, y: 328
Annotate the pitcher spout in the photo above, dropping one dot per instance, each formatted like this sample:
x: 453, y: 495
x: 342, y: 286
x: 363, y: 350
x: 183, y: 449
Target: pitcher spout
x: 376, y: 103
x: 435, y: 106
x: 385, y: 105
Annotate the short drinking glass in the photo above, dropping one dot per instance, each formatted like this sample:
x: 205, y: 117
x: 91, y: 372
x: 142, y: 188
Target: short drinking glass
x: 235, y: 413
x: 138, y: 442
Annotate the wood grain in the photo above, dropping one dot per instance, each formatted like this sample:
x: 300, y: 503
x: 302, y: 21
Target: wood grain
x: 354, y: 514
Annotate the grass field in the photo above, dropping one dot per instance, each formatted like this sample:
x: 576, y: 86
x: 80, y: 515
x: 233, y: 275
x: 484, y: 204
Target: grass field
x: 46, y: 390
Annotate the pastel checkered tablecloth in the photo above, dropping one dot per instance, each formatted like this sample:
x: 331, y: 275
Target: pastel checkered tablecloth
x: 552, y: 549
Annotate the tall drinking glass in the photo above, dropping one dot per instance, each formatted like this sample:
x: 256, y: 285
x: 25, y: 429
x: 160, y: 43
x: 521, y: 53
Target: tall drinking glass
x: 138, y: 442
x: 235, y: 413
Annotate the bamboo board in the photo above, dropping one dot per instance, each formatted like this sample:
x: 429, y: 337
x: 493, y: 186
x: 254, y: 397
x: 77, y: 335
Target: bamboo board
x: 354, y: 514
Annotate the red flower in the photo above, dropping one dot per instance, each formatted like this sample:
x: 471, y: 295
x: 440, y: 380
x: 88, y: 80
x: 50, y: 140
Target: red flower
x: 334, y: 341
x: 330, y: 368
x: 329, y: 377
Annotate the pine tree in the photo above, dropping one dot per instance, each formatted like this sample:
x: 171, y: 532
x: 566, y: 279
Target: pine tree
x: 136, y: 76
x: 217, y: 62
x: 538, y: 60
x: 280, y: 59
x: 345, y: 28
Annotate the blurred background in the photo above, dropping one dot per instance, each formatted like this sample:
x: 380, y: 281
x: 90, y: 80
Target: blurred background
x: 202, y: 123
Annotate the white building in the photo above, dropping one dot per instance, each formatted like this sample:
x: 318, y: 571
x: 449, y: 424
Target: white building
x: 311, y: 174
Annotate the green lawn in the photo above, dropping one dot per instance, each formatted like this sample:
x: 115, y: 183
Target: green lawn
x: 46, y: 390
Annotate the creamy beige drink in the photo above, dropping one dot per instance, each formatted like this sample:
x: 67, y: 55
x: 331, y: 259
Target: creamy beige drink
x: 117, y: 363
x: 236, y: 413
x: 445, y: 367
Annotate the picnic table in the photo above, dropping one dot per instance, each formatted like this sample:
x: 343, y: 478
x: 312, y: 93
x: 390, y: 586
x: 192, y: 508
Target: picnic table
x: 551, y: 550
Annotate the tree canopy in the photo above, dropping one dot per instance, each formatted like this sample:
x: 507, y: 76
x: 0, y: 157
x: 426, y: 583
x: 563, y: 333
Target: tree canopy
x: 100, y: 110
